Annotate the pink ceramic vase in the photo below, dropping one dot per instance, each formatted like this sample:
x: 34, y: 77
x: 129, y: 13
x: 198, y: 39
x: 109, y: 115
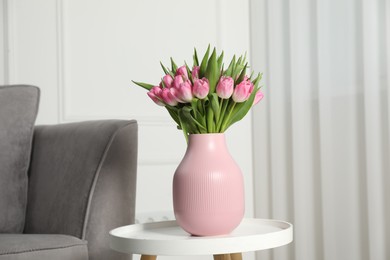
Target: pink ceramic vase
x: 208, y: 188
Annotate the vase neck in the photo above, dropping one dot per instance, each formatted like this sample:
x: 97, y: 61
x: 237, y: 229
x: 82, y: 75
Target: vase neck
x: 209, y: 141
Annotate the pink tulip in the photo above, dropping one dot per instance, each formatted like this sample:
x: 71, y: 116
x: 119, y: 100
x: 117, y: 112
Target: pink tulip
x: 177, y: 81
x: 155, y: 95
x: 175, y: 93
x: 225, y: 87
x: 201, y: 88
x: 157, y: 91
x: 182, y: 71
x: 259, y: 96
x: 168, y: 96
x: 185, y: 92
x: 167, y: 79
x: 195, y: 72
x: 242, y: 91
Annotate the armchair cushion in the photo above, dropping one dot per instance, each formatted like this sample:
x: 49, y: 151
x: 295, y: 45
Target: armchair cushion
x: 18, y: 110
x: 31, y: 247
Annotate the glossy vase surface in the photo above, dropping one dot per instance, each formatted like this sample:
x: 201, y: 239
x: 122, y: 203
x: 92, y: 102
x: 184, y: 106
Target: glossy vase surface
x: 208, y: 188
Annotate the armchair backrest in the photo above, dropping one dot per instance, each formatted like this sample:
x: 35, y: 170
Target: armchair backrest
x: 82, y: 181
x: 18, y: 110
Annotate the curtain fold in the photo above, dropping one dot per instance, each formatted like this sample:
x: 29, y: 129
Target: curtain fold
x: 321, y: 136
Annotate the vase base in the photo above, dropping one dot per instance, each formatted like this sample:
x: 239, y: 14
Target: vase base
x: 201, y: 226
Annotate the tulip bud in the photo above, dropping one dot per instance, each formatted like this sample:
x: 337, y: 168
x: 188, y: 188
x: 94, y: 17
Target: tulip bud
x: 177, y: 81
x: 195, y: 72
x: 168, y: 97
x: 175, y: 93
x: 167, y: 79
x: 242, y: 91
x: 155, y: 95
x: 201, y: 88
x: 182, y: 71
x: 225, y: 87
x: 185, y: 92
x: 259, y: 96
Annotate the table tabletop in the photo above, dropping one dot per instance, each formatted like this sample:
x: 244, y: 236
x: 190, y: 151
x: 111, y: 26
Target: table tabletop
x: 167, y: 238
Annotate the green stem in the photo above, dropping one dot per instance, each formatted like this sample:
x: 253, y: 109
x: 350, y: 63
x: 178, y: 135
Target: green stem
x: 223, y: 106
x: 184, y: 129
x: 210, y: 120
x: 227, y: 119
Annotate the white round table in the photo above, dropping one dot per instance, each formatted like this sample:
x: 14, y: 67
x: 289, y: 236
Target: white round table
x: 167, y: 238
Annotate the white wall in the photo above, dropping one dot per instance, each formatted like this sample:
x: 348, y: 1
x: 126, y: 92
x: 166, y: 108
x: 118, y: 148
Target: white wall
x: 2, y: 47
x: 83, y: 55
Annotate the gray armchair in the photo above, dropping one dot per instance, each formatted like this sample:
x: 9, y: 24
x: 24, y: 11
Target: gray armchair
x: 81, y: 184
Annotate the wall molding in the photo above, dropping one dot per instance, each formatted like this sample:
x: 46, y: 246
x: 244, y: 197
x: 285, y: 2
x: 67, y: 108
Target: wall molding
x: 8, y: 24
x: 60, y: 60
x: 146, y: 121
x: 63, y: 106
x: 3, y: 49
x: 154, y: 216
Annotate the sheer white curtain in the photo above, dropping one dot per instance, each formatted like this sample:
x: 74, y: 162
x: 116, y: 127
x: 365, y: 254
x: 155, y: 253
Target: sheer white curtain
x: 322, y: 134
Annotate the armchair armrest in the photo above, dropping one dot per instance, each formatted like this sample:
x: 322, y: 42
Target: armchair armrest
x: 82, y: 181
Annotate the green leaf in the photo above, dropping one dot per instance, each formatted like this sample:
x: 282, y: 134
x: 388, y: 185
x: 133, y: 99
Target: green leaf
x: 227, y: 115
x: 189, y: 73
x: 196, y: 105
x: 200, y: 106
x: 174, y: 114
x: 187, y: 113
x: 242, y: 109
x: 251, y: 76
x: 195, y: 57
x: 144, y: 85
x: 203, y: 65
x: 184, y: 126
x: 215, y: 105
x: 202, y: 121
x: 163, y: 84
x: 220, y: 60
x: 212, y: 71
x: 237, y: 69
x: 257, y: 79
x: 242, y: 75
x: 244, y: 59
x: 190, y: 121
x: 239, y: 61
x: 164, y: 69
x: 230, y: 68
x: 174, y: 66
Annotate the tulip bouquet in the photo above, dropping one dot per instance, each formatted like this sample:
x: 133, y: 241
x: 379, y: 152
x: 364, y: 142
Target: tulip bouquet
x: 206, y: 98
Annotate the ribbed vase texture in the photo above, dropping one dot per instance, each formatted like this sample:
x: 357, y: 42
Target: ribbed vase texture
x: 208, y: 188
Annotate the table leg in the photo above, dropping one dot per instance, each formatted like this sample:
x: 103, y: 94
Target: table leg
x: 222, y: 257
x: 236, y: 256
x: 148, y: 257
